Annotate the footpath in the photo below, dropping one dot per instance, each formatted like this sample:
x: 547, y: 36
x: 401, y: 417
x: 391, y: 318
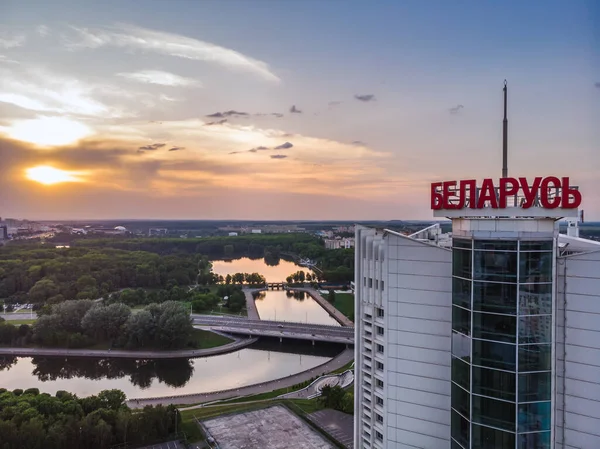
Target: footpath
x: 251, y: 304
x: 336, y: 363
x: 335, y: 313
x: 119, y: 353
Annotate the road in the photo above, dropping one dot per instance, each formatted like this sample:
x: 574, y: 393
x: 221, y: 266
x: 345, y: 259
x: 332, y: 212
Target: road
x: 280, y: 329
x: 100, y: 353
x: 337, y: 362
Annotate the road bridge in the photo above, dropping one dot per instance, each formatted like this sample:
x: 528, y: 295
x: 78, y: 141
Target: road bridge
x: 277, y: 329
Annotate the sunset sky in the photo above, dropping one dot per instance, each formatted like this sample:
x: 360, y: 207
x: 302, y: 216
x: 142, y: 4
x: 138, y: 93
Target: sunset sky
x: 293, y: 109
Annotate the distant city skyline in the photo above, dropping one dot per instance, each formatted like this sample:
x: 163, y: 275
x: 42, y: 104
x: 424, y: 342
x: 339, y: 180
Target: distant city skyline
x: 288, y: 110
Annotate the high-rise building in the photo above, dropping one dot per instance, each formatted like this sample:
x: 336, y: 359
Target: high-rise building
x: 487, y: 337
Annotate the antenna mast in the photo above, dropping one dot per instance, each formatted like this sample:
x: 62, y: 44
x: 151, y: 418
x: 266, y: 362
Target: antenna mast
x: 505, y: 137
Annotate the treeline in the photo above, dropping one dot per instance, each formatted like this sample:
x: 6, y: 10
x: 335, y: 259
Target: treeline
x: 33, y: 420
x: 82, y: 323
x: 53, y: 275
x: 337, y: 398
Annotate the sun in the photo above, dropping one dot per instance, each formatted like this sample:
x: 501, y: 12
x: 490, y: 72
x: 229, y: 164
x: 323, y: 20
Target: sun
x: 47, y: 175
x: 48, y: 131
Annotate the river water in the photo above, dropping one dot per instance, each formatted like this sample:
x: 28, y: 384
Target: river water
x: 84, y: 376
x: 261, y: 362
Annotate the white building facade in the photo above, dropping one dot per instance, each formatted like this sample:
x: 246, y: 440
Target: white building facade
x: 488, y: 337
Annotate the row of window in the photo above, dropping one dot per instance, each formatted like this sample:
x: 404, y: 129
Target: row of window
x: 486, y: 326
x: 502, y: 266
x: 501, y: 384
x: 368, y: 282
x: 503, y: 245
x: 485, y: 437
x: 529, y: 299
x: 503, y: 356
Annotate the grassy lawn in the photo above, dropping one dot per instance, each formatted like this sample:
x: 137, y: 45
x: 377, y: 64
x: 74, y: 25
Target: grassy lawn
x: 344, y: 302
x: 19, y: 322
x: 346, y: 367
x: 207, y: 339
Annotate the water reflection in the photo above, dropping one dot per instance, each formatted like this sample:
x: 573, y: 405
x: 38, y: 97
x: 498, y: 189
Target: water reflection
x: 285, y: 305
x: 151, y: 378
x: 271, y: 272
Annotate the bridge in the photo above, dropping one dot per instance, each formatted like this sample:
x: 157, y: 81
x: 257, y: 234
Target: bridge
x: 277, y: 329
x: 276, y: 285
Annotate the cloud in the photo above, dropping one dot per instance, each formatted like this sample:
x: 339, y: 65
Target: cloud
x: 278, y: 156
x: 153, y: 146
x: 43, y: 30
x: 359, y: 143
x: 176, y: 148
x: 284, y: 146
x: 365, y: 98
x: 334, y: 103
x: 456, y: 109
x: 6, y: 60
x: 8, y: 41
x: 597, y: 85
x: 161, y: 78
x: 218, y: 122
x: 228, y: 114
x: 138, y: 38
x: 295, y: 110
x: 261, y: 148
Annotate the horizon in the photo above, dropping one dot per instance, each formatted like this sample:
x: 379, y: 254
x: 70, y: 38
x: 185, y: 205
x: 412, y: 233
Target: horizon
x: 210, y: 111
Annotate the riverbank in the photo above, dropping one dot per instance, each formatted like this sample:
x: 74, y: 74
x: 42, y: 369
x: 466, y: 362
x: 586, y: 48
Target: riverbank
x: 337, y: 362
x: 251, y: 309
x: 330, y: 308
x: 121, y: 353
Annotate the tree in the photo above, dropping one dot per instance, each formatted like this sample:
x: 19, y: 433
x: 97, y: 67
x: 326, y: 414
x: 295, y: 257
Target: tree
x: 236, y: 301
x: 331, y: 296
x: 228, y: 279
x: 42, y: 290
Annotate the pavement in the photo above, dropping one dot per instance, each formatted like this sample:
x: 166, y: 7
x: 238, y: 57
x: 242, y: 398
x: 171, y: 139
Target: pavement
x: 337, y: 424
x: 335, y: 313
x: 251, y: 304
x: 119, y: 353
x: 337, y: 362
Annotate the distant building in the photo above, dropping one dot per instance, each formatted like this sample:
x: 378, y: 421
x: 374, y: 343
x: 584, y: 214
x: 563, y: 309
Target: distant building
x: 3, y: 232
x: 157, y: 231
x: 256, y: 231
x: 339, y: 243
x: 232, y: 234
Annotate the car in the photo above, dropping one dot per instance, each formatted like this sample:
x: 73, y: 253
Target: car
x: 280, y: 326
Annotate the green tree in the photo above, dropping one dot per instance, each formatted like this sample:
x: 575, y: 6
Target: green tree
x: 42, y: 290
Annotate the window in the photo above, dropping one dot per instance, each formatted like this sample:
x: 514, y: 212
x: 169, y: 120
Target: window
x: 495, y: 355
x: 461, y: 263
x: 534, y: 387
x: 379, y: 348
x: 368, y: 316
x: 495, y: 327
x: 534, y: 416
x: 381, y: 285
x: 379, y: 435
x: 461, y: 292
x: 485, y: 437
x: 379, y: 330
x: 496, y: 266
x: 494, y: 383
x: 379, y: 383
x: 459, y: 428
x: 461, y: 373
x: 380, y: 312
x: 461, y: 401
x: 535, y: 358
x: 379, y: 417
x: 376, y: 284
x: 378, y: 400
x: 535, y: 267
x: 370, y: 282
x: 461, y: 320
x: 494, y: 297
x: 379, y: 366
x: 365, y: 281
x: 491, y: 412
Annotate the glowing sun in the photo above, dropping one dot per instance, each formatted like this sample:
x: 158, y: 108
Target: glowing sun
x: 50, y: 131
x: 47, y: 175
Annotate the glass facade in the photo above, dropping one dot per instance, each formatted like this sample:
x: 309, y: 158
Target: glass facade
x: 501, y: 343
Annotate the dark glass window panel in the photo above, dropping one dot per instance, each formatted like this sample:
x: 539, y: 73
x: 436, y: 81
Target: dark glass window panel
x: 545, y: 245
x: 496, y: 245
x: 455, y: 445
x: 496, y: 266
x: 461, y: 263
x: 494, y: 355
x: 461, y: 243
x: 539, y: 440
x: 535, y: 267
x: 461, y: 346
x: 494, y: 413
x: 461, y: 292
x: 535, y: 299
x: 461, y: 320
x: 534, y: 416
x: 486, y: 438
x: 460, y: 429
x: 495, y: 327
x: 494, y: 383
x: 535, y: 358
x: 535, y: 387
x: 535, y: 329
x: 461, y: 372
x: 495, y: 298
x: 461, y: 401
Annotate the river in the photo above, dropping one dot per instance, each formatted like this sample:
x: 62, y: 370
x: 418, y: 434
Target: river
x: 261, y: 362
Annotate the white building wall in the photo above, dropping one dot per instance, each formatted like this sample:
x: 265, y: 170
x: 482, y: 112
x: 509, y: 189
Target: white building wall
x: 578, y: 347
x: 415, y: 301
